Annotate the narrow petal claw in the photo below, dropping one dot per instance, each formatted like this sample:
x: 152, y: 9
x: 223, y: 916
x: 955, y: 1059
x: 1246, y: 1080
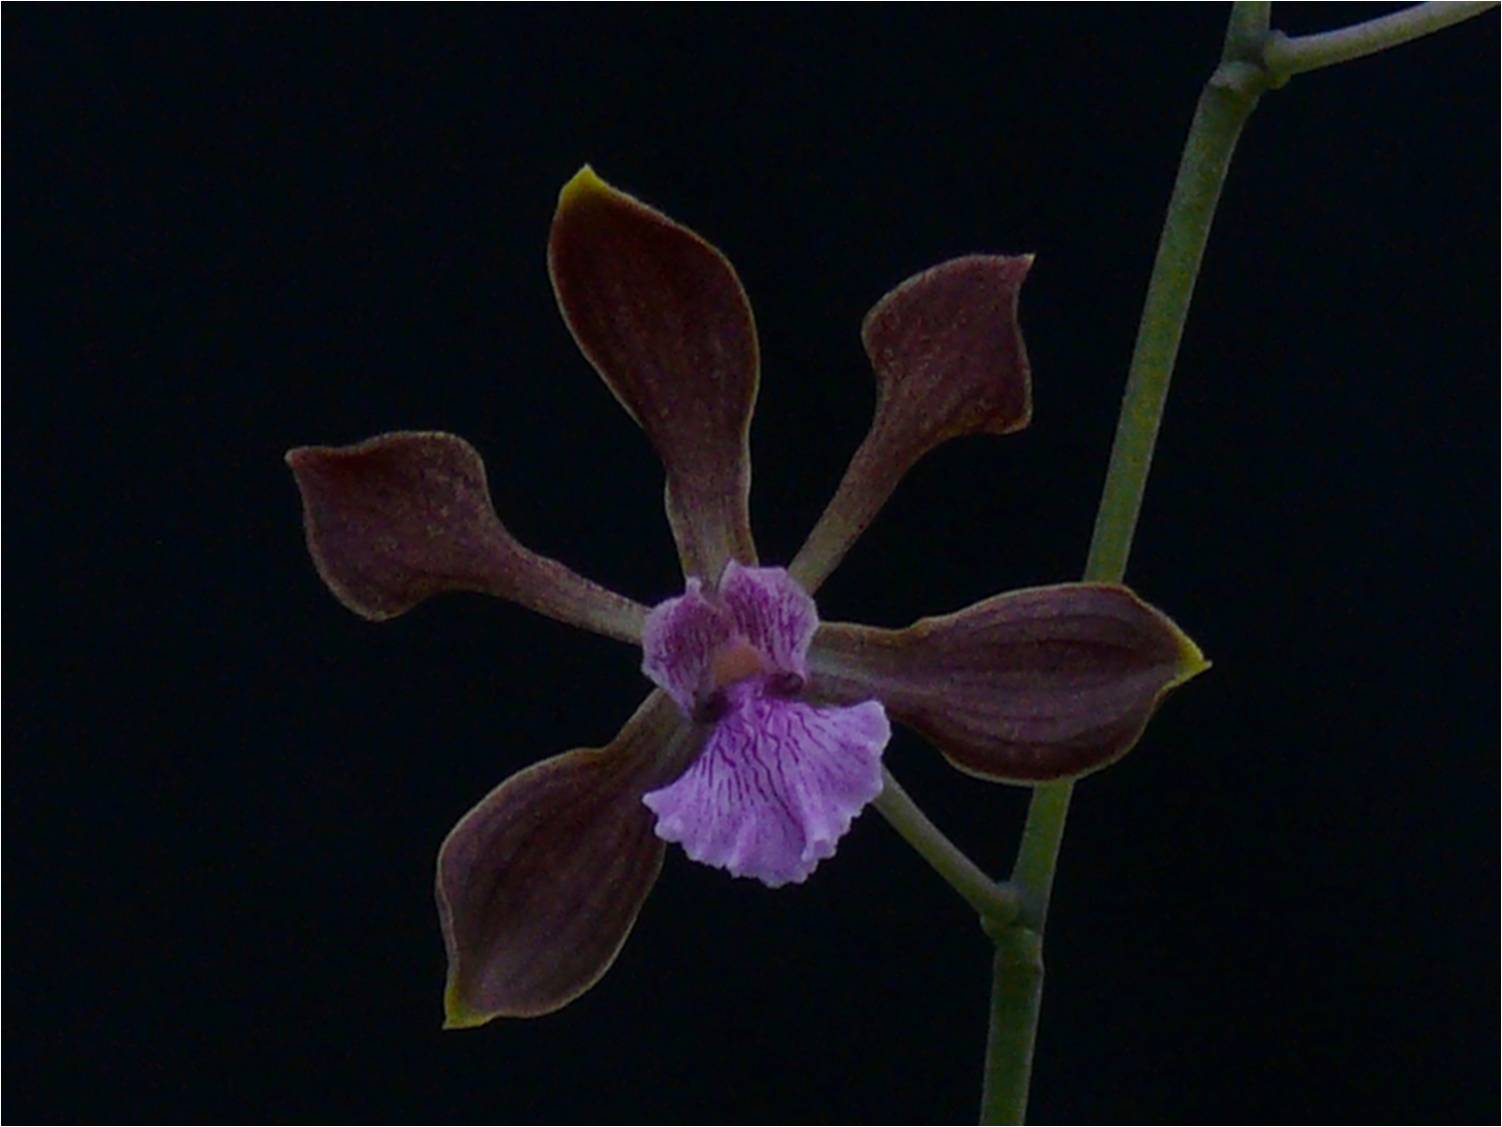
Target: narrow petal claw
x: 539, y: 885
x: 949, y: 361
x: 1040, y: 684
x: 776, y: 787
x: 662, y: 316
x: 400, y: 517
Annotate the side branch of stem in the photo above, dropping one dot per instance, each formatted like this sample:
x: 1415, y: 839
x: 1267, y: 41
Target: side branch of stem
x: 1285, y: 57
x: 997, y: 904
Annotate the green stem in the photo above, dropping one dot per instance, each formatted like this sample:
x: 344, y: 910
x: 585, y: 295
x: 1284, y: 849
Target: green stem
x: 997, y: 904
x: 1224, y: 106
x: 1226, y: 102
x: 1285, y: 57
x: 1016, y: 988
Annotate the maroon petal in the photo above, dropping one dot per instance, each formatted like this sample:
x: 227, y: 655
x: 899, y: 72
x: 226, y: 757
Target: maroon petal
x: 539, y: 885
x: 1032, y: 685
x: 662, y: 316
x: 397, y: 518
x: 949, y: 360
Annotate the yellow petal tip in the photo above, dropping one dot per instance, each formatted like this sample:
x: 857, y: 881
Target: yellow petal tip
x: 584, y: 183
x: 1192, y: 661
x: 457, y: 1015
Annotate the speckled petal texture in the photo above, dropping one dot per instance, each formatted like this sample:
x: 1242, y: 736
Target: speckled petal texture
x: 401, y: 517
x: 1046, y: 683
x: 949, y: 360
x: 663, y: 318
x: 539, y: 884
x: 776, y: 787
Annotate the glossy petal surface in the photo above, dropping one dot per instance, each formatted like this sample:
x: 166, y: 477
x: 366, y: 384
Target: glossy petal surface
x: 776, y: 787
x: 400, y: 517
x: 1032, y: 685
x: 949, y: 361
x: 539, y: 885
x: 662, y: 316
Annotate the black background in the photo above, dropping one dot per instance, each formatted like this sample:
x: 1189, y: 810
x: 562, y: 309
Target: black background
x: 232, y: 231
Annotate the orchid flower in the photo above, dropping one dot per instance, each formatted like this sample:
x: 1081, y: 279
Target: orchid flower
x: 764, y: 736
